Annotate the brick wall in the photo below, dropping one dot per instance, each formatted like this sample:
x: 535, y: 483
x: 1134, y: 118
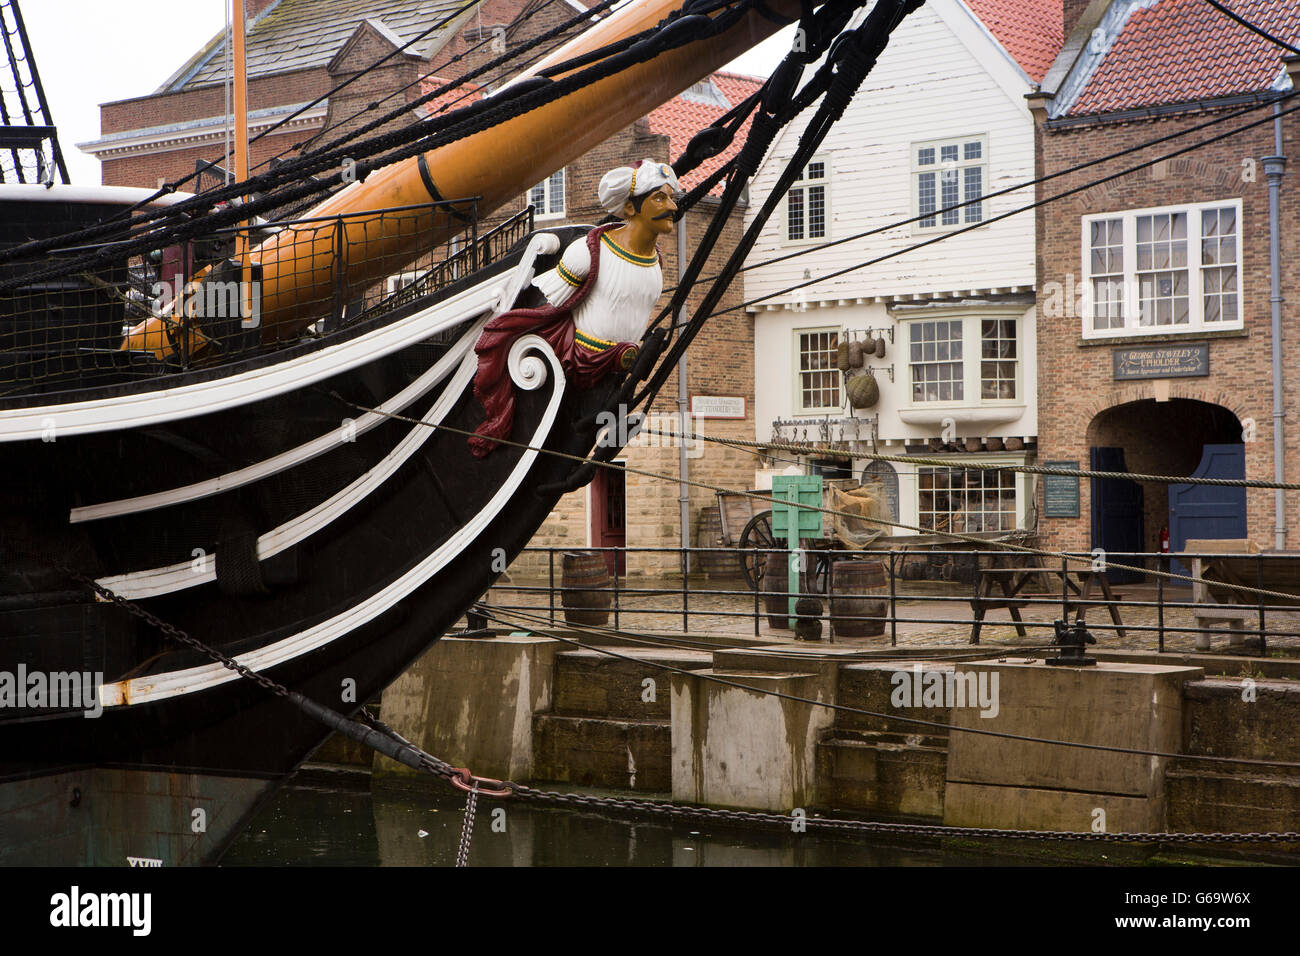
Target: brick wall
x: 1076, y: 383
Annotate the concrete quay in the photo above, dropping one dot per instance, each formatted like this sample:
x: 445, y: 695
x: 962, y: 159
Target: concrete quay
x: 703, y: 725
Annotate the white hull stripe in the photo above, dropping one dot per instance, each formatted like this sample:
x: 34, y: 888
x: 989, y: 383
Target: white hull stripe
x: 203, y: 398
x: 143, y: 690
x: 520, y: 276
x: 187, y: 574
x: 283, y: 461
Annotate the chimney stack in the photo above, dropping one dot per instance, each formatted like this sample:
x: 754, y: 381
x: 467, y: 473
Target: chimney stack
x: 1073, y: 10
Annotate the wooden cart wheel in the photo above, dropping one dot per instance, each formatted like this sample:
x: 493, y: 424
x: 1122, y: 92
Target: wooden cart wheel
x: 757, y: 534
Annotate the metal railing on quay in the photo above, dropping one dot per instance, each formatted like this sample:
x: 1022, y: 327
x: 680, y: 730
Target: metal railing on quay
x: 720, y: 587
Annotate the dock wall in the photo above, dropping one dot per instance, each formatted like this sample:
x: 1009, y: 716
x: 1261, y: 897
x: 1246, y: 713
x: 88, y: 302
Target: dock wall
x: 748, y: 729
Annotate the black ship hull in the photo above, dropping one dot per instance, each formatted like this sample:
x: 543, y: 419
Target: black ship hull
x: 315, y: 540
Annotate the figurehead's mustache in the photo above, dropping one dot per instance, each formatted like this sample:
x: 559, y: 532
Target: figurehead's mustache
x: 670, y: 214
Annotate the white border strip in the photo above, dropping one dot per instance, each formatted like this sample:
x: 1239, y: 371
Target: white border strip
x: 203, y: 398
x: 283, y: 461
x: 520, y: 276
x: 528, y: 373
x: 135, y: 585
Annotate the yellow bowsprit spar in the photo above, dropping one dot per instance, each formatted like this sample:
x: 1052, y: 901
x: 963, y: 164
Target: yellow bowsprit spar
x: 300, y: 263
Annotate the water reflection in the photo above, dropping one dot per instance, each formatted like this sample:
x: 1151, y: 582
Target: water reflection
x: 335, y: 826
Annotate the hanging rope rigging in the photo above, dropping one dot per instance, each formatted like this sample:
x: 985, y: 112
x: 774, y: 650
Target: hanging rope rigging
x: 188, y: 220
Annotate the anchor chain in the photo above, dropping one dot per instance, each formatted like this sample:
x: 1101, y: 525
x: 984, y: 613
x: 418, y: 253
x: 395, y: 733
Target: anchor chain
x: 467, y: 828
x: 375, y: 734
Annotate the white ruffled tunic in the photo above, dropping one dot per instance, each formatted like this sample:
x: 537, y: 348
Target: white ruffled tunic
x: 627, y: 287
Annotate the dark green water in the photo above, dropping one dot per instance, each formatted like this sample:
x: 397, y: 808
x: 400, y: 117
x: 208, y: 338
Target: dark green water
x: 333, y: 826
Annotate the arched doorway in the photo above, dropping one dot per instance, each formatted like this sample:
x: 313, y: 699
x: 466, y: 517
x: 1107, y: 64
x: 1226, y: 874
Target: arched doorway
x: 1179, y: 437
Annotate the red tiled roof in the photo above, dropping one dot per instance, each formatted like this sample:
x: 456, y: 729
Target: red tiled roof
x: 1032, y: 31
x: 1178, y: 51
x: 681, y: 118
x: 454, y: 99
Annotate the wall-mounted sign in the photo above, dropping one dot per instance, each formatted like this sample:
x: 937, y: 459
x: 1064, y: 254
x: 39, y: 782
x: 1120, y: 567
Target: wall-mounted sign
x: 1162, y: 361
x: 718, y: 406
x: 1061, y: 492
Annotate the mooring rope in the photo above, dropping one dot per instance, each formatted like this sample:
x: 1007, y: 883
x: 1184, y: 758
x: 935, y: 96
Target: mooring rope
x: 380, y: 737
x: 1078, y: 558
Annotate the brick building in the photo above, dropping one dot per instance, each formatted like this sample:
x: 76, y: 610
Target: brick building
x: 298, y: 50
x: 937, y: 131
x: 1156, y: 346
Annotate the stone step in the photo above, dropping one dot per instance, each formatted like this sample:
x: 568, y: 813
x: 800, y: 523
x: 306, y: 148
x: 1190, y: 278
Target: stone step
x: 622, y: 754
x: 1203, y: 801
x: 591, y: 684
x: 882, y: 773
x: 891, y: 688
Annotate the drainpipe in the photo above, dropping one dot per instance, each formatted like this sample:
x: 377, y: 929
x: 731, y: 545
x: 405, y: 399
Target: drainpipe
x: 684, y: 490
x: 1273, y: 167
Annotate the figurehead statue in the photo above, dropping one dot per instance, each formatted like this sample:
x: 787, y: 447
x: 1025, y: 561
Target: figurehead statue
x: 599, y: 296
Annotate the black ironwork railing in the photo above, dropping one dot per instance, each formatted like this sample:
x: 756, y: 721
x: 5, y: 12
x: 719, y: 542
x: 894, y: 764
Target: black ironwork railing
x: 68, y: 332
x: 998, y: 582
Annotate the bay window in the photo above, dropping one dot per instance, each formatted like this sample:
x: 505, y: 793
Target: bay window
x: 1153, y: 271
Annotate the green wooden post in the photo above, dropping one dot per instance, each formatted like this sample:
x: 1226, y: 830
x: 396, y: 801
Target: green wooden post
x: 796, y: 514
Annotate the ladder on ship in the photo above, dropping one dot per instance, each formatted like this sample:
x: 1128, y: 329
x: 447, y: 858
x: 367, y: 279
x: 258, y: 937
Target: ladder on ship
x: 29, y: 141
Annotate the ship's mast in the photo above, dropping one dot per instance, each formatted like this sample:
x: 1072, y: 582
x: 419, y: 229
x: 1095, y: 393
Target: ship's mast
x: 240, y: 82
x: 300, y: 264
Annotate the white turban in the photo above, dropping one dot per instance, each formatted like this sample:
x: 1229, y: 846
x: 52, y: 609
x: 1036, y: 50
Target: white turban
x: 627, y: 182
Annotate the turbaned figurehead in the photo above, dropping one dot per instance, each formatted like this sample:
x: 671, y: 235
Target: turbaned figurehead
x: 600, y: 296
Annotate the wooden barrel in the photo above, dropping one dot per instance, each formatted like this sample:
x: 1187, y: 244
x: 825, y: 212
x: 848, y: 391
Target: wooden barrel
x: 854, y: 593
x: 586, y: 597
x: 708, y: 534
x: 776, y: 587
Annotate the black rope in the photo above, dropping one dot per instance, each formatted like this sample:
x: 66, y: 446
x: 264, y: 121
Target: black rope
x: 113, y: 226
x: 1025, y: 208
x: 408, y: 142
x: 1047, y: 177
x: 850, y: 58
x: 1226, y: 11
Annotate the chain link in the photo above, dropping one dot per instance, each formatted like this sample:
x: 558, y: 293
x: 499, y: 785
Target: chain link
x: 440, y: 768
x: 467, y: 828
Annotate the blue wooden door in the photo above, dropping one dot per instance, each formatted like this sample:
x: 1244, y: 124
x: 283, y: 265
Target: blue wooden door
x: 1209, y: 511
x: 1116, y: 511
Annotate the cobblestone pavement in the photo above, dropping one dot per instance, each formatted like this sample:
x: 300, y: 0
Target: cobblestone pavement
x: 930, y: 619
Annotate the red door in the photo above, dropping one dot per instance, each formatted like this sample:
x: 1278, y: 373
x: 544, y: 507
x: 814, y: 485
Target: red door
x: 608, y: 509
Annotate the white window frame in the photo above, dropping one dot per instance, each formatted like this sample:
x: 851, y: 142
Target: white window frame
x: 796, y: 353
x: 1018, y: 489
x: 545, y: 210
x: 1130, y: 292
x: 396, y: 283
x: 800, y: 186
x: 963, y: 213
x: 972, y: 341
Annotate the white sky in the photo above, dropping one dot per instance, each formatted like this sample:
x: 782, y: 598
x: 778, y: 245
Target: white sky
x: 96, y: 51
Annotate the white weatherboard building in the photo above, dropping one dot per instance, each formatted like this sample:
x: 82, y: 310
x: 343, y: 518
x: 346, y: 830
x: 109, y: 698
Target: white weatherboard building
x: 942, y: 119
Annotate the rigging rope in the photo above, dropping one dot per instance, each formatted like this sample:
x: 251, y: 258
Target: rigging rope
x: 1078, y: 558
x: 1025, y: 208
x: 826, y: 452
x: 404, y: 143
x: 863, y: 712
x: 1039, y: 180
x: 387, y: 741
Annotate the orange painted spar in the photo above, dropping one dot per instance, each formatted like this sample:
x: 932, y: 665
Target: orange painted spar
x: 300, y: 263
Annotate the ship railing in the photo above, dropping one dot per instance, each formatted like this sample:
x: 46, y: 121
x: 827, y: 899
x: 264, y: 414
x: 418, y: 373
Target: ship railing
x: 917, y: 598
x: 67, y: 332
